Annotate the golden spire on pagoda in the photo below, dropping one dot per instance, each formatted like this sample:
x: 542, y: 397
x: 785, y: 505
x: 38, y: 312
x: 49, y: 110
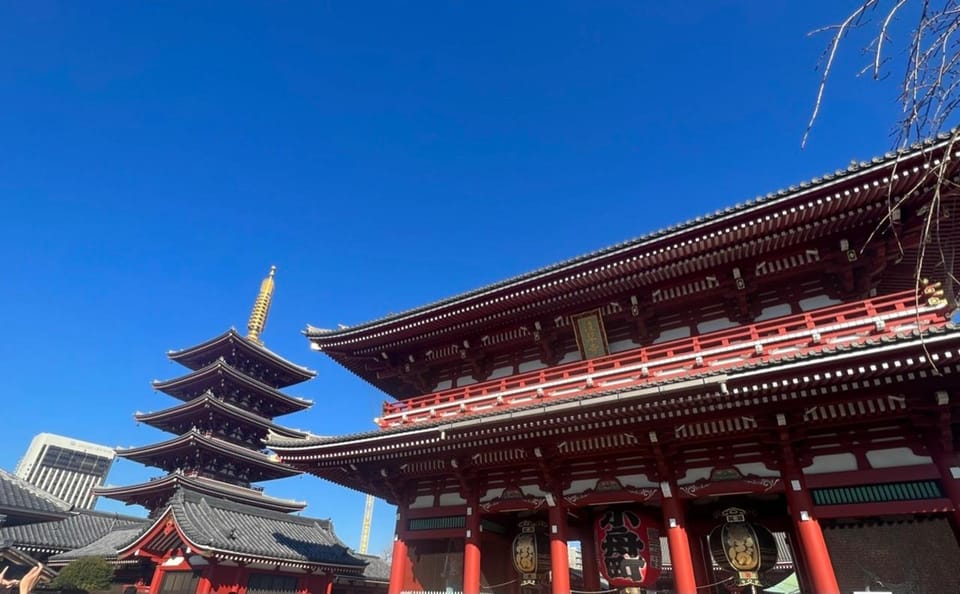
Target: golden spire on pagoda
x: 261, y: 307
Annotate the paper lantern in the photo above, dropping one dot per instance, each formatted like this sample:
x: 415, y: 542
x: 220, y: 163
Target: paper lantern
x: 628, y: 547
x: 747, y: 549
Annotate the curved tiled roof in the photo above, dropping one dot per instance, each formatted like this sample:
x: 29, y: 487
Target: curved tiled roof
x: 221, y: 526
x: 18, y: 494
x: 176, y: 480
x: 378, y: 568
x: 70, y: 533
x: 189, y: 356
x: 216, y: 372
x: 106, y: 546
x: 917, y: 151
x: 156, y: 453
x: 210, y: 403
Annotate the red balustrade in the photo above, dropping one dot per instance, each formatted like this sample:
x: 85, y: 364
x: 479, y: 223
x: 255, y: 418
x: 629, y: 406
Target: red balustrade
x: 773, y: 339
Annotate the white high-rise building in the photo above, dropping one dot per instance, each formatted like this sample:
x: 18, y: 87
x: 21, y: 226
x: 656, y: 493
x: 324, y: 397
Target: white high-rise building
x: 66, y: 468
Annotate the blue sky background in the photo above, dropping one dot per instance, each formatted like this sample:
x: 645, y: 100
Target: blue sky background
x: 157, y: 158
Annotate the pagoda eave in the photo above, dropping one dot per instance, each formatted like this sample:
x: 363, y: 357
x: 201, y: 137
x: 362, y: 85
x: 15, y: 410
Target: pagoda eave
x: 194, y: 384
x: 163, y: 488
x: 168, y: 419
x: 164, y: 455
x: 224, y: 345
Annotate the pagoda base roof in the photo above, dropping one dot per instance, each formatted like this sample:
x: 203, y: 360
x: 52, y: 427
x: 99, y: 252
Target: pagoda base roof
x: 156, y: 493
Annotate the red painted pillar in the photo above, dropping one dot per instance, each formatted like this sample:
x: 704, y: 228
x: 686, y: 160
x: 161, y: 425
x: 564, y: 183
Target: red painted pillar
x: 812, y: 545
x: 588, y: 551
x: 398, y: 560
x: 559, y: 561
x: 471, y: 549
x: 204, y: 584
x: 684, y: 581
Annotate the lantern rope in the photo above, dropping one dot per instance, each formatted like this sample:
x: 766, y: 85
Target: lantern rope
x: 491, y: 587
x: 714, y: 583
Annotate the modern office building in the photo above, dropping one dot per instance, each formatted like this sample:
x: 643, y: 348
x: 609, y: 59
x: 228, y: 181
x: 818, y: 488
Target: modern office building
x: 66, y: 468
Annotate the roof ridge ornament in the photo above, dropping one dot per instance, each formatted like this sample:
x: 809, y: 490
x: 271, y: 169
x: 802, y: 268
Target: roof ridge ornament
x: 261, y: 307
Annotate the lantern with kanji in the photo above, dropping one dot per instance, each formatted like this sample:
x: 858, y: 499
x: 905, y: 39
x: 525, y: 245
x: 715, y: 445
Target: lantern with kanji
x: 628, y: 547
x: 747, y: 549
x: 531, y: 553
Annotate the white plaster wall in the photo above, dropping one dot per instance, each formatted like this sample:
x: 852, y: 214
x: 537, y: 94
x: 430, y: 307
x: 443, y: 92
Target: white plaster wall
x: 695, y: 474
x: 673, y: 334
x: 465, y: 380
x: 452, y: 499
x: 816, y: 302
x: 491, y: 494
x: 423, y: 501
x: 832, y: 463
x: 622, y: 345
x: 895, y: 457
x: 637, y: 481
x: 756, y: 469
x: 580, y: 486
x: 533, y: 491
x: 774, y: 311
x: 531, y: 365
x: 715, y: 324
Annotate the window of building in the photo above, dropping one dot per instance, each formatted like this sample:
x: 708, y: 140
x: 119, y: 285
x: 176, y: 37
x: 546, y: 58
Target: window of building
x: 179, y: 582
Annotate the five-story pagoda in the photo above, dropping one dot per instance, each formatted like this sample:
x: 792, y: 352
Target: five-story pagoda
x: 230, y: 397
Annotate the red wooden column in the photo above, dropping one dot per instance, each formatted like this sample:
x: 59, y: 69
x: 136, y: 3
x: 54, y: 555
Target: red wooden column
x: 684, y: 581
x: 398, y: 560
x: 945, y: 457
x: 559, y: 561
x: 471, y: 547
x: 204, y: 584
x: 813, y: 547
x: 588, y: 550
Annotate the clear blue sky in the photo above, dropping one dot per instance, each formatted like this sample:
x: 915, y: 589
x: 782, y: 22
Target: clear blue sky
x: 157, y: 158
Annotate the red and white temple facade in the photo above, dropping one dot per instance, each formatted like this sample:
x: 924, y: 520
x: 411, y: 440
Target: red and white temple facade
x: 770, y: 374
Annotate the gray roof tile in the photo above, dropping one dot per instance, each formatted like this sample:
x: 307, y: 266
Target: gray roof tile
x: 106, y: 546
x: 16, y: 493
x: 70, y: 533
x: 244, y: 530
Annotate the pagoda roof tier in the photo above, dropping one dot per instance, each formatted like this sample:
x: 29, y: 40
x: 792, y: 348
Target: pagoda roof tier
x: 215, y: 528
x: 235, y: 386
x: 194, y: 450
x: 855, y: 198
x: 158, y: 492
x: 849, y: 382
x: 212, y: 413
x: 244, y: 354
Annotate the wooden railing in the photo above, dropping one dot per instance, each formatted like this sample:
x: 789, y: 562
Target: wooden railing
x: 687, y: 357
